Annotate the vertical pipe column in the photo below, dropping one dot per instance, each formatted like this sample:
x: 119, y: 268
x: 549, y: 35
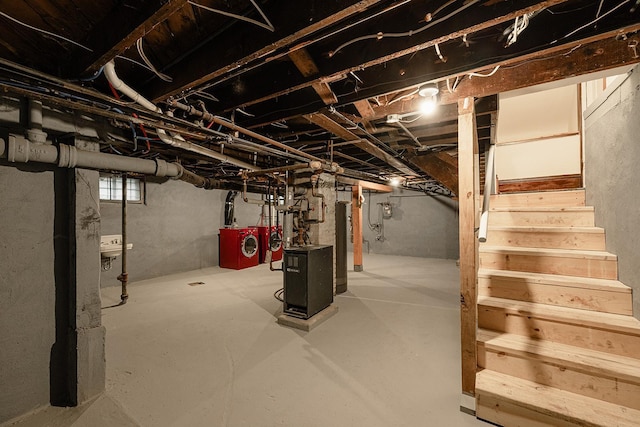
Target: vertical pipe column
x: 468, y: 183
x: 287, y: 231
x: 356, y: 222
x: 124, y: 276
x: 341, y: 247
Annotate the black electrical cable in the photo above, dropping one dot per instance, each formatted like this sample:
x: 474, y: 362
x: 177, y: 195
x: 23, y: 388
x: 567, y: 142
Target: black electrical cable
x: 278, y: 294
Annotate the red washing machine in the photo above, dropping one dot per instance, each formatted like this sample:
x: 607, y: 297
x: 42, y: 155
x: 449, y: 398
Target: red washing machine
x: 271, y: 239
x: 238, y: 247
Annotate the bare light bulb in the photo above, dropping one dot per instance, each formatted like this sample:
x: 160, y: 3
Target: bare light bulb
x: 428, y: 106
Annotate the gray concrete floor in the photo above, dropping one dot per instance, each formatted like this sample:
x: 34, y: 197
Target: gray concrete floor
x: 213, y: 354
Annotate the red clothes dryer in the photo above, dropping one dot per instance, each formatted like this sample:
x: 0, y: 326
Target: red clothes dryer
x: 238, y: 247
x: 271, y: 239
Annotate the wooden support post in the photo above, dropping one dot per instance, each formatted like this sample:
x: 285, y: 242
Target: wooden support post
x: 468, y: 188
x: 356, y: 223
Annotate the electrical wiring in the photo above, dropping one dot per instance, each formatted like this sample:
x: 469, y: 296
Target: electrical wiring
x: 266, y: 26
x: 497, y: 67
x: 591, y: 23
x: 162, y: 76
x: 380, y: 35
x: 57, y: 36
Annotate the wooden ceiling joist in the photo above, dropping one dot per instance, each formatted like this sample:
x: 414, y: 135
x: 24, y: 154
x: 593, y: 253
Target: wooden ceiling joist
x: 326, y: 123
x: 308, y: 68
x: 119, y: 30
x: 291, y: 20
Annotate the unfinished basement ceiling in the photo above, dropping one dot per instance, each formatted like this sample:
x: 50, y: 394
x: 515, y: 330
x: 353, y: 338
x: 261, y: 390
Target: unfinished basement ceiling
x: 319, y: 77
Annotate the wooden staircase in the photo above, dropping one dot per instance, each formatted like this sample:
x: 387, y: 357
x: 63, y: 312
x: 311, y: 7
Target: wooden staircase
x: 557, y: 343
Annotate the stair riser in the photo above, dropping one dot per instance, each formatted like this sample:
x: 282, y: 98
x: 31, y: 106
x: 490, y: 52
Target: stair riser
x: 501, y: 412
x: 608, y: 341
x: 565, y: 296
x: 608, y: 389
x: 546, y: 199
x: 540, y: 239
x: 546, y: 219
x: 548, y: 264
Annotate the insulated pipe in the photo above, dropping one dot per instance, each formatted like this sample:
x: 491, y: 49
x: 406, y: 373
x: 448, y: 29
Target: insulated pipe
x: 118, y: 84
x: 229, y: 205
x: 20, y: 150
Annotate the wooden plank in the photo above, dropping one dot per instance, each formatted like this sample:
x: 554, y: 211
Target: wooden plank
x: 585, y: 238
x: 441, y: 167
x: 308, y: 68
x: 603, y: 376
x: 558, y: 182
x: 504, y: 413
x: 595, y: 53
x: 526, y: 403
x: 561, y: 217
x: 606, y: 332
x: 567, y: 262
x: 356, y: 224
x: 467, y: 148
x: 109, y: 40
x: 367, y: 185
x: 608, y: 296
x: 564, y: 198
x: 337, y: 129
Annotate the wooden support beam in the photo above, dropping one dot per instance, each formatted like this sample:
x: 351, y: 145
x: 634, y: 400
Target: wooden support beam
x: 356, y: 225
x: 468, y: 189
x: 119, y: 30
x: 337, y: 129
x: 441, y: 167
x: 308, y: 68
x: 551, y: 65
x: 366, y: 185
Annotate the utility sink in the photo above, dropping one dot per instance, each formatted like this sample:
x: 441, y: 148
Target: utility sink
x: 111, y: 246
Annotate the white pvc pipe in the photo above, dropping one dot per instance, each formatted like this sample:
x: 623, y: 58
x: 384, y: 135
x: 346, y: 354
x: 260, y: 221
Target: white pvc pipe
x: 177, y: 141
x: 488, y: 179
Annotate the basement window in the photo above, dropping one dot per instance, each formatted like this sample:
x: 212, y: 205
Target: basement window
x: 111, y: 189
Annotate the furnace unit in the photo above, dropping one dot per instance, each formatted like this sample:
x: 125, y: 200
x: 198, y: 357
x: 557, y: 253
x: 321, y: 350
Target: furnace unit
x: 308, y: 280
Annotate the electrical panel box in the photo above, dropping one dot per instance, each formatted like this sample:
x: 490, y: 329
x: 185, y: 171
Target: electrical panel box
x: 308, y: 280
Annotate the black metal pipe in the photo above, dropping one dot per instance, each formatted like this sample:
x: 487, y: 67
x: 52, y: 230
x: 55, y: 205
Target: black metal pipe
x: 229, y: 205
x: 124, y: 276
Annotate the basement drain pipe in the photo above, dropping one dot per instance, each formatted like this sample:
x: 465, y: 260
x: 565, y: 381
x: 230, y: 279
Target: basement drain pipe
x: 18, y: 149
x: 175, y: 141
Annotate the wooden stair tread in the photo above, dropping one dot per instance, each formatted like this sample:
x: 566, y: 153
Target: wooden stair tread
x: 594, y: 319
x: 577, y: 358
x: 562, y: 253
x: 564, y: 405
x: 546, y: 198
x: 543, y: 209
x: 546, y: 229
x: 559, y: 280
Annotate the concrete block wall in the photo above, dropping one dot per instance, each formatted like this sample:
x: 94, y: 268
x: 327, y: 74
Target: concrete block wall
x: 176, y: 230
x: 420, y: 226
x: 612, y: 154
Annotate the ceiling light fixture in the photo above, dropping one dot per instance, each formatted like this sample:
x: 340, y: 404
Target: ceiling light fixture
x: 430, y: 93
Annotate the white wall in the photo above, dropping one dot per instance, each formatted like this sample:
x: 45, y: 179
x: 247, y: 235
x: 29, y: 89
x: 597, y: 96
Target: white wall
x: 538, y: 133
